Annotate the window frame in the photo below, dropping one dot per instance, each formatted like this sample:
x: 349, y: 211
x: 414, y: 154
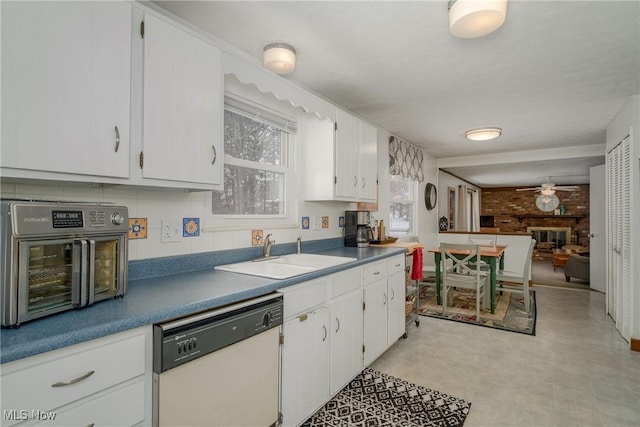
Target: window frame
x: 412, y: 200
x: 218, y: 222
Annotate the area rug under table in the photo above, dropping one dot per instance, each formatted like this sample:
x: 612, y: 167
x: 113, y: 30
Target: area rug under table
x: 510, y: 314
x: 375, y: 399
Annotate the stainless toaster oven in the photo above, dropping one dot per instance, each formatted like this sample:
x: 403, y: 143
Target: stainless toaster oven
x: 58, y: 256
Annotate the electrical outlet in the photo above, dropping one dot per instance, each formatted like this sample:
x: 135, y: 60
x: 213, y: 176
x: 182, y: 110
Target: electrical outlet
x: 171, y: 231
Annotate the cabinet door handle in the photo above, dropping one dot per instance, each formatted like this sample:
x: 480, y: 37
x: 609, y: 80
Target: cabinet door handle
x: 393, y: 294
x: 355, y: 181
x: 325, y: 333
x: 215, y: 154
x: 117, y: 139
x: 338, y: 327
x: 73, y: 381
x: 384, y: 299
x: 303, y: 317
x: 364, y: 182
x: 376, y: 273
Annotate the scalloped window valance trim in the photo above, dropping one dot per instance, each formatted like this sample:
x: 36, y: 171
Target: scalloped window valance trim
x: 282, y: 89
x: 405, y: 159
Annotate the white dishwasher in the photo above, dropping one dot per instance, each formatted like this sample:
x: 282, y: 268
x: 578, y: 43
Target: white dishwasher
x: 219, y: 367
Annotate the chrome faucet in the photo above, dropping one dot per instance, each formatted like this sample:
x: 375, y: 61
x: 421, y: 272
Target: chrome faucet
x: 299, y: 244
x: 266, y: 246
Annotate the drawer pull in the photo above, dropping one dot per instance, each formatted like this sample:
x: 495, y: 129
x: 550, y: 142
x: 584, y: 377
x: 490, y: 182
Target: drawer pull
x: 73, y: 381
x: 376, y: 273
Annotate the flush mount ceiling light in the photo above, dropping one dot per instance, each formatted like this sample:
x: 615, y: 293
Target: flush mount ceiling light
x: 279, y: 58
x: 475, y: 18
x: 483, y: 134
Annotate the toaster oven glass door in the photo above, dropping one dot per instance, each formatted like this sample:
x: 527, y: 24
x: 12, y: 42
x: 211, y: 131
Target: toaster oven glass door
x: 108, y: 265
x: 57, y: 275
x: 46, y: 277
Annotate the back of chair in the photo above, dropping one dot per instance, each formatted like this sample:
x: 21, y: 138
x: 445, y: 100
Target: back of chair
x: 527, y: 264
x: 463, y: 259
x: 483, y: 240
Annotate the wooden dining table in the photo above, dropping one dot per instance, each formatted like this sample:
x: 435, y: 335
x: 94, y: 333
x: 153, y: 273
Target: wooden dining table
x: 492, y: 255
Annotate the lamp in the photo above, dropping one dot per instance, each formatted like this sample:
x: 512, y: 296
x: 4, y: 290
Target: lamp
x: 475, y: 18
x: 483, y: 134
x: 279, y: 58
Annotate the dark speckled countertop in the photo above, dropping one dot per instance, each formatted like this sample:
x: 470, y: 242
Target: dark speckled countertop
x: 157, y: 299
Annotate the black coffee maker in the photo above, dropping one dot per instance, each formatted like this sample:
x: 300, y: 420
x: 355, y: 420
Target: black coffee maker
x: 357, y: 231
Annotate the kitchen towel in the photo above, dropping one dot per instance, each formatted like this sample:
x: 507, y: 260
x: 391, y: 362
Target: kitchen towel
x: 416, y: 267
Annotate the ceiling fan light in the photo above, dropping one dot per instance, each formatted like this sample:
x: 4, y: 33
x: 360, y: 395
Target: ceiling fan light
x: 483, y: 134
x: 548, y: 191
x: 279, y: 58
x: 476, y: 18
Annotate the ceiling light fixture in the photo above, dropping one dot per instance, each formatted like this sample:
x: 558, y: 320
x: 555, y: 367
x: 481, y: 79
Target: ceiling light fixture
x: 548, y: 191
x: 279, y: 58
x: 483, y: 134
x: 475, y: 18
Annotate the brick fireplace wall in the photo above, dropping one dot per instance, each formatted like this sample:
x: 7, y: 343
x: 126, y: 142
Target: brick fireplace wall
x: 505, y: 204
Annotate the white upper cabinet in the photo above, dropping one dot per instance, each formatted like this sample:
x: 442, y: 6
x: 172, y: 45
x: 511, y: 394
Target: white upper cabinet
x: 347, y: 173
x: 356, y: 158
x: 368, y: 162
x: 182, y: 105
x: 66, y: 78
x: 340, y: 159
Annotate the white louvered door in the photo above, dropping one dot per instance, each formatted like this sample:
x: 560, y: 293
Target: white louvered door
x: 612, y: 274
x: 619, y: 236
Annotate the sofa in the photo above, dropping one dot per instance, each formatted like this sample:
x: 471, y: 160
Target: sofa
x: 577, y: 266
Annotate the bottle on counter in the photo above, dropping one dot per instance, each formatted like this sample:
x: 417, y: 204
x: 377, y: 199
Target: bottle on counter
x: 381, y: 231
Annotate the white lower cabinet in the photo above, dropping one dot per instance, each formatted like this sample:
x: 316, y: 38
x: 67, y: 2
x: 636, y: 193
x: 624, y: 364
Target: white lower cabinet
x: 396, y: 307
x: 384, y: 306
x: 375, y: 320
x: 305, y: 351
x: 346, y: 327
x: 100, y: 382
x: 128, y: 399
x: 333, y: 327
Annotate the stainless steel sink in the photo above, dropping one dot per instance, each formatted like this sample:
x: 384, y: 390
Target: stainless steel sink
x: 286, y: 266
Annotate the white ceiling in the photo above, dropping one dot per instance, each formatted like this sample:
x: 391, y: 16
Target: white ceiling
x: 554, y: 75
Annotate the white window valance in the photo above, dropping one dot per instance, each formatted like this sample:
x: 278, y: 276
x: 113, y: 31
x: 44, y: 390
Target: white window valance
x: 405, y: 159
x: 282, y: 89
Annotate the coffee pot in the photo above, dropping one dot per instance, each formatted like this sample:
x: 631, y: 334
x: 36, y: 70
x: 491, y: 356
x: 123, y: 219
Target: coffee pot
x: 363, y: 236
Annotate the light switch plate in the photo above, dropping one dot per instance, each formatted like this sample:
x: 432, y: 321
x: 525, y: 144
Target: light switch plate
x: 171, y: 231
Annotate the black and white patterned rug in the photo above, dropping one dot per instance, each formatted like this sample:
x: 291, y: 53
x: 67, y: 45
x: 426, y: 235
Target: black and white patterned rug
x: 375, y: 399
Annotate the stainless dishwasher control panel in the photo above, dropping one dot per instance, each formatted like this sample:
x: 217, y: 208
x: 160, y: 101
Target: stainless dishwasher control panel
x: 185, y: 339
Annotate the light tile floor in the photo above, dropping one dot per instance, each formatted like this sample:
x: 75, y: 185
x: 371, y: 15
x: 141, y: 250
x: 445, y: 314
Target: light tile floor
x: 576, y: 371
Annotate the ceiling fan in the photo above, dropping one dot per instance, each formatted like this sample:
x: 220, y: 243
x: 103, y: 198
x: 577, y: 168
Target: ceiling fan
x: 548, y: 188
